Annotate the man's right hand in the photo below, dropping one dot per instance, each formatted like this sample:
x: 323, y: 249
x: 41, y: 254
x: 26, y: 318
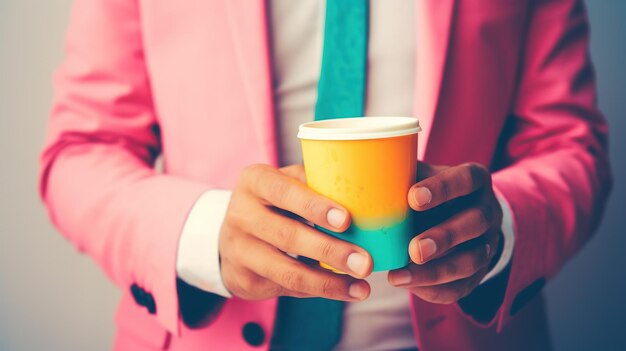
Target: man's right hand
x: 259, y: 231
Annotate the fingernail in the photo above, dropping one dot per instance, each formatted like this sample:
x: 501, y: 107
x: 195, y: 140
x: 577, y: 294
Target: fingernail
x: 422, y: 196
x: 401, y: 277
x: 357, y: 263
x: 357, y: 290
x: 336, y: 217
x: 488, y: 248
x: 427, y: 248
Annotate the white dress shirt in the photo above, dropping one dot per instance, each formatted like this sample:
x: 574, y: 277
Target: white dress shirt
x: 383, y: 321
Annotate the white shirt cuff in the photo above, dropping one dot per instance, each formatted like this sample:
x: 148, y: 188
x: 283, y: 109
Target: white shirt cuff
x: 509, y: 240
x: 198, y: 260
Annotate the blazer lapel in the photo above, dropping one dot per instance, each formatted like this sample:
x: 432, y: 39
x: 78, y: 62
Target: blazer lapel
x: 433, y: 22
x: 247, y: 21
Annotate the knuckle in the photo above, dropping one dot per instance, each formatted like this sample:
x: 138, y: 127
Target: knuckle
x: 446, y: 238
x: 327, y: 250
x: 447, y: 295
x: 251, y: 172
x: 275, y: 290
x: 231, y: 285
x: 432, y: 295
x: 444, y: 190
x: 327, y: 287
x: 479, y: 168
x: 235, y: 244
x: 451, y: 268
x: 238, y: 285
x: 468, y: 175
x: 237, y: 291
x: 292, y: 280
x: 286, y: 237
x: 312, y: 207
x: 257, y: 296
x: 475, y: 262
x: 239, y: 220
x: 262, y: 228
x: 253, y: 168
x: 248, y: 284
x: 226, y: 245
x: 232, y: 219
x: 260, y: 168
x: 278, y: 191
x: 475, y: 173
x: 450, y: 298
x: 308, y: 205
x: 485, y: 216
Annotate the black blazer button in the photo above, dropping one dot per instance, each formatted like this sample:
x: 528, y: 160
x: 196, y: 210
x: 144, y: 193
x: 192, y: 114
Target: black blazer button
x: 253, y: 334
x: 138, y: 294
x: 150, y: 304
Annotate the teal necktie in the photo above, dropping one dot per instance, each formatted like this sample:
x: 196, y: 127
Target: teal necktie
x: 315, y: 323
x: 341, y: 87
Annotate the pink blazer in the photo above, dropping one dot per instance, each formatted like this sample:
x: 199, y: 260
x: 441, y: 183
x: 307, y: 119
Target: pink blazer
x: 505, y: 83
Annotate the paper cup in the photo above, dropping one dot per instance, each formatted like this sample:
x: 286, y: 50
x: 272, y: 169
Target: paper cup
x: 366, y: 164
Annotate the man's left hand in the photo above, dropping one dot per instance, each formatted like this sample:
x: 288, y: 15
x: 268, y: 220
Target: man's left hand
x: 449, y: 259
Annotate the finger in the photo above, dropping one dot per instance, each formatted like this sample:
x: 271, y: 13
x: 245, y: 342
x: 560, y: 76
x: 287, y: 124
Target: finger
x: 279, y: 190
x: 425, y: 170
x: 450, y: 292
x: 449, y: 184
x: 296, y: 277
x: 459, y: 265
x: 246, y: 284
x: 297, y: 238
x: 462, y: 227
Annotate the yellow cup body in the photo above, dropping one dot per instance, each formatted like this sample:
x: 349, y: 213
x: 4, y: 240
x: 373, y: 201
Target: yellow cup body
x: 371, y: 178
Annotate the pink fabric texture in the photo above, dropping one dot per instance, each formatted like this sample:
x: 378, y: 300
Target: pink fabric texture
x: 508, y: 84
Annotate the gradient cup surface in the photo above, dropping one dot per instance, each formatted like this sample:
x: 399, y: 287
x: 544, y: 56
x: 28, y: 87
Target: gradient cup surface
x: 371, y: 178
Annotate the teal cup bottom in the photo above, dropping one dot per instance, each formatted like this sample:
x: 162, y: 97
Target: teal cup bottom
x: 388, y: 245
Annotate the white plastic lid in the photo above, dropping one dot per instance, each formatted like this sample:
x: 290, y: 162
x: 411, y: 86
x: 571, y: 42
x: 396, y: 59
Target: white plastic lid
x: 358, y: 128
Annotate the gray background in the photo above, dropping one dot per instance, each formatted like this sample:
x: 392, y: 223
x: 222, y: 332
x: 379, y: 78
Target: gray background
x: 52, y: 298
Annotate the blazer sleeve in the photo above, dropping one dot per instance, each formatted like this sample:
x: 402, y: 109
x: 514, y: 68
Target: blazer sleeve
x: 555, y: 173
x: 97, y: 178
